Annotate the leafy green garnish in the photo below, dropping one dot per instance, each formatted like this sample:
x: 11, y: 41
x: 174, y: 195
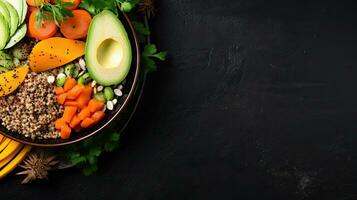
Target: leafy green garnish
x: 149, y: 54
x: 85, y: 155
x: 57, y: 12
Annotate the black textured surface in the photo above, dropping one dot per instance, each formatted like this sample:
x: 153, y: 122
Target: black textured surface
x: 257, y: 101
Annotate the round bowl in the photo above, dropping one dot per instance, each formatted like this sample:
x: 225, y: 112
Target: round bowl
x: 116, y: 119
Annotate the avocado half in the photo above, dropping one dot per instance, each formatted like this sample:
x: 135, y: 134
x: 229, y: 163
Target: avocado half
x: 108, y: 50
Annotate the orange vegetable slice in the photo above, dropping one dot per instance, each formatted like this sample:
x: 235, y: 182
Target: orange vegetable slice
x: 87, y: 122
x: 69, y: 112
x: 54, y: 52
x: 45, y: 30
x: 72, y: 103
x: 59, y: 123
x: 75, y: 122
x: 85, y: 112
x: 97, y: 116
x: 65, y: 132
x: 95, y: 105
x: 76, y: 27
x: 85, y: 96
x: 69, y: 84
x: 59, y: 90
x: 75, y: 92
x: 61, y: 98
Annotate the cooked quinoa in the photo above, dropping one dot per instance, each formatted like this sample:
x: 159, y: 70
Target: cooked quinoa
x: 32, y: 110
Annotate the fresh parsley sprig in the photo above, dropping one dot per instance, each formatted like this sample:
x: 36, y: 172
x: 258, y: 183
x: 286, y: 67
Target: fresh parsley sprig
x: 57, y: 12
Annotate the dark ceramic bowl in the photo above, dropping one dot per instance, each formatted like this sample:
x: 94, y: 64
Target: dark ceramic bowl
x: 118, y: 118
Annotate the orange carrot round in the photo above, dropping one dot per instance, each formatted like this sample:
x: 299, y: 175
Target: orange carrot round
x: 45, y: 30
x: 76, y: 27
x: 35, y: 2
x: 75, y: 2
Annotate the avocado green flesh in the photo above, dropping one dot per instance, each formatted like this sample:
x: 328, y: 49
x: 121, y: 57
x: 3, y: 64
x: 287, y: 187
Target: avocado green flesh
x: 108, y: 50
x: 4, y: 32
x: 5, y: 12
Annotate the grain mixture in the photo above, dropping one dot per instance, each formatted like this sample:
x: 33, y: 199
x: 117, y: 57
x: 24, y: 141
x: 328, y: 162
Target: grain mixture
x: 33, y: 109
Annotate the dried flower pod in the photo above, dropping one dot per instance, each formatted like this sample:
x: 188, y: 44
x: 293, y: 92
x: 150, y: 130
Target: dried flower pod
x: 36, y: 166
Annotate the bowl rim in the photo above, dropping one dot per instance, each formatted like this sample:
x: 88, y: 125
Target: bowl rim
x: 124, y: 105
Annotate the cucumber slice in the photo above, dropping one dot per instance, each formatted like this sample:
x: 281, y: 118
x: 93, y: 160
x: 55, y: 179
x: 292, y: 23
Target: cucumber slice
x: 17, y: 37
x: 5, y: 12
x: 14, y: 17
x: 18, y: 7
x: 4, y: 32
x: 24, y: 11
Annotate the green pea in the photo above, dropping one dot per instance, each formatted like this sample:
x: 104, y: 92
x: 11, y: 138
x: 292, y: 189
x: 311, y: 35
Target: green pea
x: 99, y: 96
x: 85, y: 78
x: 60, y: 80
x: 108, y: 93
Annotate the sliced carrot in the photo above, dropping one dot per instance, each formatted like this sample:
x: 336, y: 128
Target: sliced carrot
x: 95, y: 105
x: 85, y: 96
x: 65, y: 131
x: 69, y: 112
x: 75, y: 92
x: 75, y: 122
x: 55, y: 52
x: 97, y: 116
x: 76, y: 27
x: 85, y: 112
x: 35, y: 2
x: 45, y: 30
x: 75, y: 2
x: 72, y: 103
x: 59, y: 123
x: 69, y: 84
x: 59, y: 90
x: 61, y: 98
x: 87, y: 122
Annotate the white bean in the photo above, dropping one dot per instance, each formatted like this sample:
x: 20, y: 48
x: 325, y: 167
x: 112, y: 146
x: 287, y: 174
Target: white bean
x: 82, y: 64
x: 50, y: 79
x: 115, y: 101
x: 118, y: 92
x: 100, y: 88
x: 110, y: 105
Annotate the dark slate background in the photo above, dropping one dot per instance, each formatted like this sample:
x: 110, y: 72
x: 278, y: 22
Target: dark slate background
x: 257, y: 101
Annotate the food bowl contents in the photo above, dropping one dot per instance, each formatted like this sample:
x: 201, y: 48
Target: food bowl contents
x: 32, y: 110
x: 60, y: 72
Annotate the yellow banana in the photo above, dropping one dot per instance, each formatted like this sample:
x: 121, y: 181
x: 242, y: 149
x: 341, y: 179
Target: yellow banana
x: 4, y: 144
x: 11, y: 147
x: 9, y: 158
x: 12, y: 164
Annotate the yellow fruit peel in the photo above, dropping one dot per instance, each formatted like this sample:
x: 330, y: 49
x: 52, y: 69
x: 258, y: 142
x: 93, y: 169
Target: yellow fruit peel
x: 11, y: 80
